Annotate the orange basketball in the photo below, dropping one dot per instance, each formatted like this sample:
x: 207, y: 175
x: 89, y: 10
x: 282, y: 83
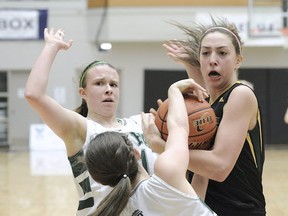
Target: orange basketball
x: 202, y: 122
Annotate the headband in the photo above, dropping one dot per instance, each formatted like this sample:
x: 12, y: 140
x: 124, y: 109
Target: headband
x: 92, y: 64
x: 225, y: 29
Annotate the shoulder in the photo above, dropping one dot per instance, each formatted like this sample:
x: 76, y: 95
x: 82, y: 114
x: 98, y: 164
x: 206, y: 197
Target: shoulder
x: 135, y: 118
x: 242, y: 104
x: 243, y: 94
x: 134, y: 121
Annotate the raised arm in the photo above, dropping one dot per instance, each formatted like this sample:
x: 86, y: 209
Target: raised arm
x: 61, y: 120
x: 172, y: 164
x: 179, y: 53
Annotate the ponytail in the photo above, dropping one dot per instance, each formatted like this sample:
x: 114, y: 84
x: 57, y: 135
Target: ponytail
x: 116, y: 200
x: 82, y: 109
x: 110, y: 160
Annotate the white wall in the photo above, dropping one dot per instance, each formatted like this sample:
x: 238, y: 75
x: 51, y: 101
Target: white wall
x: 137, y: 35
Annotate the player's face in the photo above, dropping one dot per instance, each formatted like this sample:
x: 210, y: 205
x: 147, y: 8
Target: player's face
x: 102, y: 90
x: 218, y: 60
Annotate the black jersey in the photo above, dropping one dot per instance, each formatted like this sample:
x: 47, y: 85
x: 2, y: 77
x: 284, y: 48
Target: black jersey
x: 241, y: 194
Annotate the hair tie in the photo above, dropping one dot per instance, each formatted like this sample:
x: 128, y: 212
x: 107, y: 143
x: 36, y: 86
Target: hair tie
x: 125, y: 176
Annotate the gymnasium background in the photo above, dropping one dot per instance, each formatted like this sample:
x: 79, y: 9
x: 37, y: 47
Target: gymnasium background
x: 136, y: 30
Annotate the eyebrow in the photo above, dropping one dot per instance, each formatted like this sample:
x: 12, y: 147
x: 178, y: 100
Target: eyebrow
x: 220, y: 47
x: 104, y: 79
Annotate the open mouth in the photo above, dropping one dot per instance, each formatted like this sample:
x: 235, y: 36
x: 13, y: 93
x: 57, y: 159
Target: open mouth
x: 213, y: 74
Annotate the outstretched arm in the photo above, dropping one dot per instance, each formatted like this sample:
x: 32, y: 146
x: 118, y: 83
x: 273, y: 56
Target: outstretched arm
x: 62, y: 121
x: 172, y: 164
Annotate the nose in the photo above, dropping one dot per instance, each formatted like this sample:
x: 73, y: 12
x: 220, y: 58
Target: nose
x: 108, y: 90
x: 213, y: 59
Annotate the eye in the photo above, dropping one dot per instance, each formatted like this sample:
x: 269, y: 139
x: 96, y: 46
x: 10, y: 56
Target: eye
x: 114, y: 85
x: 99, y: 83
x: 204, y: 53
x: 223, y: 53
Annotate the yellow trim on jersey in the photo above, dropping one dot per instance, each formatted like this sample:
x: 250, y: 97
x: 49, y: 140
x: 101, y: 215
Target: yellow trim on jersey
x: 260, y: 129
x: 248, y: 138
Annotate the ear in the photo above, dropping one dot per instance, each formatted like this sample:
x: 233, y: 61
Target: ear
x: 238, y: 61
x: 82, y: 92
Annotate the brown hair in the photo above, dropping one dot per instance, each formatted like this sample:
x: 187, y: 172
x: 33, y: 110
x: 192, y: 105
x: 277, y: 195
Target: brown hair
x: 198, y: 31
x: 111, y: 160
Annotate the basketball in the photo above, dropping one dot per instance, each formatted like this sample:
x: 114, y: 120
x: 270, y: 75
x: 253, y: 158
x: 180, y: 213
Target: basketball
x: 202, y: 122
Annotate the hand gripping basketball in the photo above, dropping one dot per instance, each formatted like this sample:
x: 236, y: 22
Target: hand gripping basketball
x: 202, y: 122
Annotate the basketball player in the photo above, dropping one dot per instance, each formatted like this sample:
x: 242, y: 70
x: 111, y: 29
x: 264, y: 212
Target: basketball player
x: 212, y: 56
x: 112, y: 160
x: 99, y: 90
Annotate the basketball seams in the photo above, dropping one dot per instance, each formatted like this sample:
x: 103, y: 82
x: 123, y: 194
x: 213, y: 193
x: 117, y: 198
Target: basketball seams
x: 202, y: 109
x: 202, y: 122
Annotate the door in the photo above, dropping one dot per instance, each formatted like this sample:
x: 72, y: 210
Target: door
x: 156, y: 85
x: 271, y: 87
x: 278, y: 103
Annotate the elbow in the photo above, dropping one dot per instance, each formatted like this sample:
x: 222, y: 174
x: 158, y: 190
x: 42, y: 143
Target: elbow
x: 30, y: 96
x: 220, y: 177
x: 221, y: 173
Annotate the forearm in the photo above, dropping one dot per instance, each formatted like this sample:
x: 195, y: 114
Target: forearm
x: 39, y: 75
x: 177, y: 115
x: 209, y: 164
x: 200, y: 184
x: 194, y: 73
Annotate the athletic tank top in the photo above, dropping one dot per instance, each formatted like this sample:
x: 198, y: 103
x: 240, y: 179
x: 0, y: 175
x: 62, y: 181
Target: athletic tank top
x: 154, y: 197
x: 151, y: 197
x: 242, y: 192
x: 91, y: 192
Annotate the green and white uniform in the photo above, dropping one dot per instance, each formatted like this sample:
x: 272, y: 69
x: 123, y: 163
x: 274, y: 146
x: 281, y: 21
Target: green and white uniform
x: 91, y: 192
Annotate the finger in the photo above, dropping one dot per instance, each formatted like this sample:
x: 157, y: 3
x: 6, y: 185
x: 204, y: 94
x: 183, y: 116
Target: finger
x: 151, y: 119
x: 51, y: 31
x: 206, y: 95
x: 195, y: 85
x: 169, y: 48
x: 46, y: 31
x: 159, y: 102
x: 143, y: 119
x: 153, y: 111
x: 171, y: 55
x: 175, y: 46
x: 201, y: 94
x: 142, y: 116
x: 69, y: 43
